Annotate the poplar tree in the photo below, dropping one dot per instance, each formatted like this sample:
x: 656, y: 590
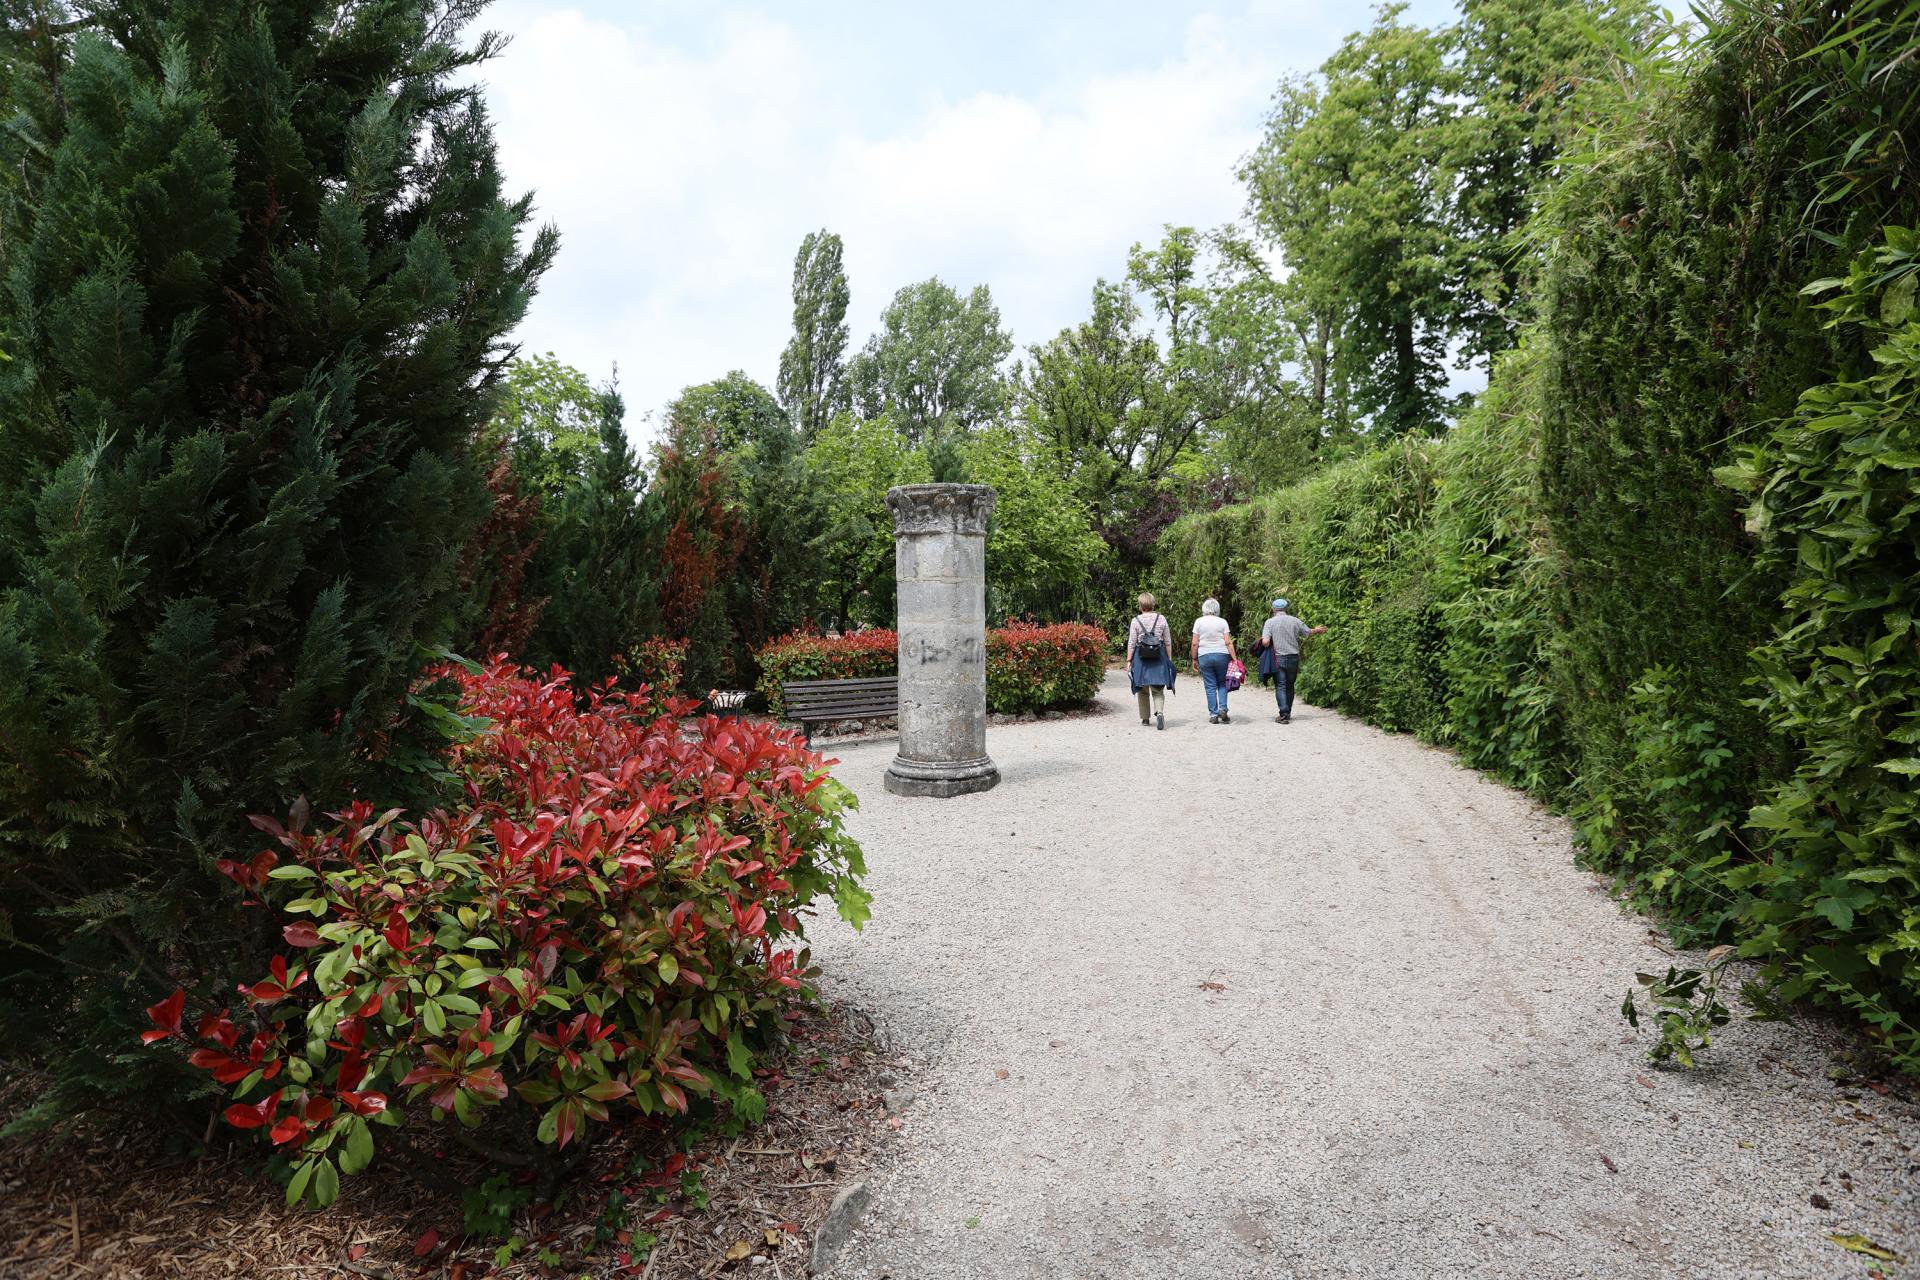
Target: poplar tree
x: 813, y: 367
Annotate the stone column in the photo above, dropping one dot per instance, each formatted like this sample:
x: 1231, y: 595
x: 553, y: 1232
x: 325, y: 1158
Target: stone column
x: 940, y: 559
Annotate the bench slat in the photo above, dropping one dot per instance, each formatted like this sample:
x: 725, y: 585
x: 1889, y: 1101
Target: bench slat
x: 865, y: 682
x: 815, y: 695
x: 820, y: 709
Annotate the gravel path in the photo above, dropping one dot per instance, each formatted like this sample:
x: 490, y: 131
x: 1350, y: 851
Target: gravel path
x: 1310, y: 1000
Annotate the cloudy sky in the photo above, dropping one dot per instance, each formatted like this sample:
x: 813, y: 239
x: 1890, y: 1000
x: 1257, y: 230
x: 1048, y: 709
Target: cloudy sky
x: 684, y: 147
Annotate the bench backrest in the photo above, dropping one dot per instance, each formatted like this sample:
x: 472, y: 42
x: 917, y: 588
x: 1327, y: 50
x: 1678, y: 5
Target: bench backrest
x: 842, y: 699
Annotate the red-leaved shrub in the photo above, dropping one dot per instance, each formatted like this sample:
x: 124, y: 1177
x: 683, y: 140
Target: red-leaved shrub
x: 1029, y: 668
x: 654, y: 667
x: 1033, y: 668
x: 807, y: 656
x: 611, y: 918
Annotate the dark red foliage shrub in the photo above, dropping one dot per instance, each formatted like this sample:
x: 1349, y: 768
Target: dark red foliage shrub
x: 611, y: 919
x: 1029, y: 668
x: 494, y: 568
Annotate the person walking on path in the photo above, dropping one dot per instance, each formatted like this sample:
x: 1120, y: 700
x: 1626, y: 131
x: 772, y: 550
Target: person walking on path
x: 1280, y: 652
x: 1212, y: 651
x: 1150, y: 661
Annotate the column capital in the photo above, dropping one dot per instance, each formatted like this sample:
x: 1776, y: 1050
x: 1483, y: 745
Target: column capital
x: 940, y: 508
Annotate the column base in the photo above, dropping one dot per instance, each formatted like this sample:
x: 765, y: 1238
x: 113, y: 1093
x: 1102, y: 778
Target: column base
x: 941, y: 778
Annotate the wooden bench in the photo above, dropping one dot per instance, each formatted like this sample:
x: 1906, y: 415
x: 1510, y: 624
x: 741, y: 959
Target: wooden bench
x: 813, y: 702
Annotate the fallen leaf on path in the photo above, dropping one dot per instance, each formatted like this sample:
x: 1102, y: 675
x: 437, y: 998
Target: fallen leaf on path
x: 1860, y: 1244
x: 773, y: 1238
x: 1001, y: 1074
x: 355, y: 1252
x: 1213, y: 986
x: 738, y: 1250
x: 426, y: 1243
x: 1819, y: 1201
x: 1643, y: 1080
x: 1607, y: 1160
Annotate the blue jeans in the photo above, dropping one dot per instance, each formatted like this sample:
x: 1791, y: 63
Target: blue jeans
x: 1213, y: 674
x: 1287, y: 670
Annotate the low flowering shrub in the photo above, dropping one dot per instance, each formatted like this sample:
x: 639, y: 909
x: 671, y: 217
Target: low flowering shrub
x: 1029, y: 667
x: 1035, y: 668
x: 808, y: 656
x: 609, y: 920
x: 653, y: 667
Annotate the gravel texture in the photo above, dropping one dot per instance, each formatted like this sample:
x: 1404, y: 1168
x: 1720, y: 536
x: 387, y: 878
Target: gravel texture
x: 1311, y: 1000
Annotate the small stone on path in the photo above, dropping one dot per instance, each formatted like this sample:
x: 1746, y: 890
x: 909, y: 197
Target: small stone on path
x: 845, y: 1211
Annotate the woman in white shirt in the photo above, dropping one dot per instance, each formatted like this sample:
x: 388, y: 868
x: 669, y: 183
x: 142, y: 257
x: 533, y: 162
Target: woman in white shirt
x: 1212, y: 650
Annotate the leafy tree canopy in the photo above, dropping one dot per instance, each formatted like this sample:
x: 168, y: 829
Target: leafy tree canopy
x: 548, y: 419
x: 935, y: 364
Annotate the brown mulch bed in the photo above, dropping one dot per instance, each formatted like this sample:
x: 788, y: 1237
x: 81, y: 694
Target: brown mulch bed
x: 105, y: 1206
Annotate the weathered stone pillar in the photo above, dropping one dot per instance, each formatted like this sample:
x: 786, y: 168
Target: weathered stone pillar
x: 940, y: 559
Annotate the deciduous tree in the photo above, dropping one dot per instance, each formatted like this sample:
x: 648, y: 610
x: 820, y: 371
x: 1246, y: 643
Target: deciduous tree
x: 935, y: 365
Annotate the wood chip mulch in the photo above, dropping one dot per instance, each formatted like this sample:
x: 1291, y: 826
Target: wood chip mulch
x: 104, y: 1206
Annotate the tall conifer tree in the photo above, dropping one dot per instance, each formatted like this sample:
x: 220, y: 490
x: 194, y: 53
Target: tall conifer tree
x: 257, y: 263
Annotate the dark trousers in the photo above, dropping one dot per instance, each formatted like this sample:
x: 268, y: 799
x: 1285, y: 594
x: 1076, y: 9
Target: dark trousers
x: 1287, y: 671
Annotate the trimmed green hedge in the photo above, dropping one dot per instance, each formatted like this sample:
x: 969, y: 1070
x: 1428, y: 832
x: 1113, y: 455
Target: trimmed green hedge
x: 1567, y: 590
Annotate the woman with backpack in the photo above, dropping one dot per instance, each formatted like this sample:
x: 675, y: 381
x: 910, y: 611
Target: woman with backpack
x: 1150, y: 662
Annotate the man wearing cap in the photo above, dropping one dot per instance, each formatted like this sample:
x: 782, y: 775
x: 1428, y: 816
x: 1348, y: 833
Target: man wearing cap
x: 1280, y: 638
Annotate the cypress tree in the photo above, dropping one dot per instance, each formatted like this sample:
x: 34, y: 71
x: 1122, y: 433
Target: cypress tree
x: 255, y: 267
x: 596, y: 564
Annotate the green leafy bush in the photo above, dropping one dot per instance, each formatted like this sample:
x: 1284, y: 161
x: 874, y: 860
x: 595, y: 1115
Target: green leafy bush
x: 1836, y: 903
x: 610, y: 919
x: 1492, y: 576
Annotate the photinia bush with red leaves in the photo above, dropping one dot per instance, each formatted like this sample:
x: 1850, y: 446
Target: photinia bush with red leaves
x: 654, y: 666
x: 1036, y: 668
x: 805, y: 655
x: 1029, y: 667
x: 611, y: 919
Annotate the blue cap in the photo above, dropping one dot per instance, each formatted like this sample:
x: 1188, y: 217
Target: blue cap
x: 1280, y: 603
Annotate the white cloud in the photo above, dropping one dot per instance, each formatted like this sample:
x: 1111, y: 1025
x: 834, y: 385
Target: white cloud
x: 682, y: 180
